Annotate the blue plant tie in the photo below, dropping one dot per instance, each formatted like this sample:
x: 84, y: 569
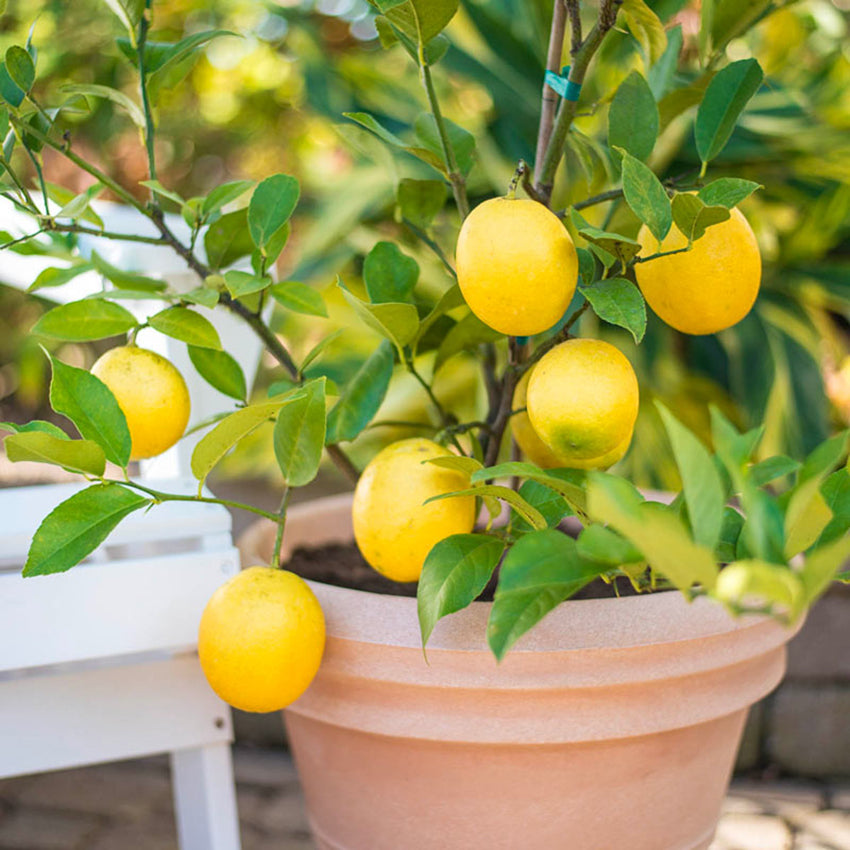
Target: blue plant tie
x: 522, y: 340
x: 563, y: 85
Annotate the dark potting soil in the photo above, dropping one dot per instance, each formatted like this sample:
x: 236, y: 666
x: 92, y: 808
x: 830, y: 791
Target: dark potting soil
x: 342, y: 565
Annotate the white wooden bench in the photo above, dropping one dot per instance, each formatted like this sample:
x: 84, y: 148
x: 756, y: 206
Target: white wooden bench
x: 99, y: 664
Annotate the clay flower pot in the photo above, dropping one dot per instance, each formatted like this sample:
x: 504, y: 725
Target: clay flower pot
x: 612, y: 725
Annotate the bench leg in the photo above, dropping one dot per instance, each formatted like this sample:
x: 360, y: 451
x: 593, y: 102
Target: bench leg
x: 205, y: 798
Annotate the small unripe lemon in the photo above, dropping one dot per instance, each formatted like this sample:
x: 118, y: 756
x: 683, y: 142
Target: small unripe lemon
x: 152, y: 395
x: 583, y: 399
x: 708, y: 288
x: 261, y: 639
x: 394, y: 530
x: 538, y: 452
x: 516, y: 265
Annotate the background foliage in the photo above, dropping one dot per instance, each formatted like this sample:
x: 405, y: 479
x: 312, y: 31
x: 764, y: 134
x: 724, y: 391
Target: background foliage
x: 249, y: 107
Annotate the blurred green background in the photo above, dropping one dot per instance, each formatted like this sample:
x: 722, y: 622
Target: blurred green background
x: 271, y: 99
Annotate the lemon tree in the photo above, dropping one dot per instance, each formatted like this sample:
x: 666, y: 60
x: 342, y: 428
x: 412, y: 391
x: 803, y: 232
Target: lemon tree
x: 548, y: 290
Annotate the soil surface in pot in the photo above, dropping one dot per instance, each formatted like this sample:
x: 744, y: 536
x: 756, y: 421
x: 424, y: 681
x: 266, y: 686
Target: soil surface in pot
x: 342, y: 565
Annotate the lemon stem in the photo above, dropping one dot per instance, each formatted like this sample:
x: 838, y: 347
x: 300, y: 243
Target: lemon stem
x: 512, y: 186
x: 281, y: 524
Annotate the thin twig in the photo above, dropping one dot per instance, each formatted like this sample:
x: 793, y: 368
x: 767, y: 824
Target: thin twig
x: 549, y: 98
x: 430, y: 243
x: 144, y: 26
x: 281, y: 523
x: 545, y: 174
x: 105, y: 234
x: 22, y: 239
x: 562, y: 336
x: 636, y: 260
x: 454, y: 174
x: 343, y: 462
x: 498, y: 419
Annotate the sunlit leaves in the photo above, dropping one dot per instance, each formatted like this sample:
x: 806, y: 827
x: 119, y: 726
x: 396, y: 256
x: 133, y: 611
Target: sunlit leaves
x: 619, y: 302
x: 85, y: 320
x: 633, y: 117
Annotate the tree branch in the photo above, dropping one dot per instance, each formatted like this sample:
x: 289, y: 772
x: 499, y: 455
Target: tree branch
x: 549, y: 98
x: 545, y: 176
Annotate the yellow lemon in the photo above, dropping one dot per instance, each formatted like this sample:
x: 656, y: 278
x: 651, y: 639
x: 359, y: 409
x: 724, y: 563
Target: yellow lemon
x: 583, y: 399
x: 151, y: 393
x: 538, y: 452
x: 516, y: 265
x: 709, y: 288
x: 394, y: 530
x: 261, y: 639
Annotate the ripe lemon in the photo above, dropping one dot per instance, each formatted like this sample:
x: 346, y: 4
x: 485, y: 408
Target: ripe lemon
x: 538, y: 452
x: 709, y: 288
x: 261, y: 639
x: 151, y: 393
x: 583, y: 399
x: 516, y: 265
x: 394, y: 530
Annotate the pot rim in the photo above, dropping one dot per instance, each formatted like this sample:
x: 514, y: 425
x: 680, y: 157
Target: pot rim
x: 574, y: 625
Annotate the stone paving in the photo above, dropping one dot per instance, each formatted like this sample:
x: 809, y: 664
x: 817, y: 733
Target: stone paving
x: 127, y: 806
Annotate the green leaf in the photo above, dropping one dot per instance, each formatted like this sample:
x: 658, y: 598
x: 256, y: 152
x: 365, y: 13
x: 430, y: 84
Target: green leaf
x: 157, y: 187
x: 551, y: 504
x: 82, y: 456
x: 76, y: 527
x: 586, y: 266
x: 362, y: 396
x: 21, y: 68
x: 186, y: 325
x: 85, y: 320
x: 646, y: 27
x: 397, y: 322
x: 460, y: 140
x: 176, y: 60
x: 9, y: 91
x: 466, y: 465
x: 618, y: 301
x: 467, y: 334
x: 772, y: 468
x: 528, y: 512
x: 727, y: 192
x: 240, y: 284
x: 755, y: 582
x: 646, y: 196
x: 228, y: 239
x: 807, y: 516
x: 202, y: 295
x: 126, y: 280
x: 129, y: 12
x: 703, y: 488
x: 374, y: 126
x: 389, y: 274
x: 420, y: 20
x: 90, y: 405
x: 633, y: 117
x: 836, y: 493
x: 299, y: 435
x: 566, y: 482
x: 823, y: 565
x: 730, y: 533
x: 693, y: 216
x: 653, y: 529
x: 449, y: 300
x: 662, y: 74
x: 725, y: 98
x: 540, y: 571
x: 224, y: 194
x: 824, y: 458
x: 273, y: 202
x: 421, y: 200
x: 300, y: 298
x: 214, y: 445
x: 318, y: 349
x: 38, y: 425
x: 455, y: 573
x: 619, y: 246
x: 220, y: 371
x: 598, y: 543
x: 108, y: 93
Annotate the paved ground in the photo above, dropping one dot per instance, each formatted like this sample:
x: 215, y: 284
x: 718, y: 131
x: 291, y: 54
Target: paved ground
x: 127, y: 806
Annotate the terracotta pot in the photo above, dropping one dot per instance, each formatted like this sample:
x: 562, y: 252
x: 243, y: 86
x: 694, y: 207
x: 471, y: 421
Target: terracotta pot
x: 613, y: 725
